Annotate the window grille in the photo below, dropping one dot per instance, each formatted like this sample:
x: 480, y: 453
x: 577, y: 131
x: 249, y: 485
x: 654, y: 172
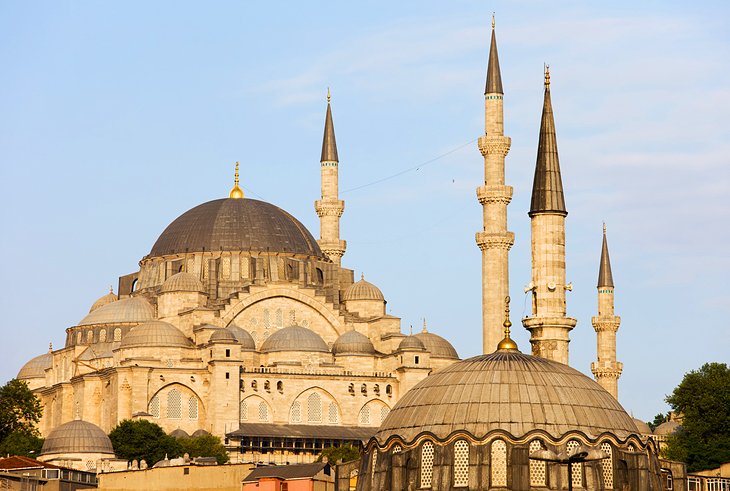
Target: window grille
x: 314, y: 408
x: 333, y: 413
x: 263, y: 411
x: 461, y: 463
x: 174, y: 404
x: 499, y: 463
x: 364, y: 415
x: 538, y: 474
x: 607, y: 465
x: 279, y: 318
x: 267, y: 320
x: 375, y: 463
x: 292, y: 317
x: 117, y: 334
x: 577, y: 467
x: 384, y: 412
x: 154, y: 406
x: 193, y: 408
x: 226, y: 267
x: 397, y: 449
x: 426, y: 464
x: 102, y: 336
x: 296, y: 412
x: 244, y: 410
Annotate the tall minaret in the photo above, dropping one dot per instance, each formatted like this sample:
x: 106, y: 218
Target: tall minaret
x: 606, y: 370
x: 494, y: 240
x: 330, y: 207
x: 549, y: 327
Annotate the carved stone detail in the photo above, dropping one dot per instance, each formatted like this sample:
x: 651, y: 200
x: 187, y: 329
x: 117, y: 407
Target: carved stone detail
x: 494, y: 194
x: 494, y: 145
x: 606, y: 323
x: 486, y: 240
x: 329, y: 208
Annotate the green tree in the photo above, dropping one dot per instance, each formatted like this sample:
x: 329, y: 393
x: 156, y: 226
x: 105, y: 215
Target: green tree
x: 658, y: 419
x: 21, y: 443
x: 141, y: 439
x: 703, y: 400
x: 346, y: 453
x: 20, y: 409
x: 204, y: 446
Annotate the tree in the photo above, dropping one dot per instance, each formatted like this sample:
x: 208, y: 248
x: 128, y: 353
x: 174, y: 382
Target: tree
x: 20, y: 409
x: 204, y: 446
x: 658, y: 419
x: 21, y: 443
x: 703, y: 400
x: 346, y: 453
x: 141, y: 439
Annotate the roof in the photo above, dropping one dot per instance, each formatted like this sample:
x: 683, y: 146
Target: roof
x: 236, y: 225
x: 126, y: 310
x: 667, y: 428
x: 243, y: 337
x: 643, y: 428
x: 510, y: 391
x: 77, y: 437
x: 329, y: 145
x: 353, y: 433
x: 103, y: 300
x: 494, y: 75
x: 363, y: 290
x: 353, y: 342
x: 36, y: 367
x: 20, y: 462
x: 223, y: 335
x: 155, y: 333
x: 411, y: 342
x: 286, y: 472
x: 294, y: 338
x: 182, y: 282
x: 605, y: 277
x: 437, y: 346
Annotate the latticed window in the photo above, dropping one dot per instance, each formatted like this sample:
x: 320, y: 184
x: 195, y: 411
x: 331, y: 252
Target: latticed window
x: 117, y: 334
x: 243, y: 410
x: 364, y: 415
x: 193, y: 408
x: 538, y: 474
x: 154, y: 406
x: 296, y: 412
x: 384, y: 412
x: 279, y: 318
x: 314, y: 408
x: 334, y: 416
x: 426, y: 464
x: 102, y: 336
x: 461, y: 463
x: 632, y: 448
x: 263, y: 411
x: 375, y: 463
x: 174, y: 404
x: 577, y: 468
x: 607, y: 465
x: 267, y: 320
x: 397, y: 449
x: 292, y: 317
x: 499, y: 463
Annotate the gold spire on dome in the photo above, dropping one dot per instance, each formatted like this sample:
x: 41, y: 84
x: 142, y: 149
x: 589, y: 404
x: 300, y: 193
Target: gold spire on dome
x: 236, y: 192
x: 329, y: 96
x: 507, y: 342
x: 50, y: 347
x: 547, y: 76
x: 492, y: 20
x: 424, y: 326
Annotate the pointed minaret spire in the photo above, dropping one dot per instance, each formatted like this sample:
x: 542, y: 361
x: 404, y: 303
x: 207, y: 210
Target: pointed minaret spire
x: 549, y: 326
x: 330, y: 207
x: 494, y: 240
x: 606, y: 369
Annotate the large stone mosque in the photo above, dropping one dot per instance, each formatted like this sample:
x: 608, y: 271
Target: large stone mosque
x: 240, y: 324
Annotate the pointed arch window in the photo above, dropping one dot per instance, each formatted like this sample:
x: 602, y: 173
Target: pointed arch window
x: 174, y: 404
x: 364, y: 417
x: 244, y: 410
x: 263, y: 411
x: 296, y: 412
x: 154, y: 406
x: 314, y: 408
x: 193, y: 408
x: 333, y: 413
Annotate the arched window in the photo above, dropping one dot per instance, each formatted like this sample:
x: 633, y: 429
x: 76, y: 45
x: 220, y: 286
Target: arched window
x: 333, y: 413
x: 193, y: 408
x: 314, y: 408
x: 280, y: 386
x: 154, y: 406
x: 267, y: 320
x: 375, y: 463
x: 538, y: 474
x: 292, y: 317
x: 263, y: 411
x: 577, y: 467
x: 102, y: 336
x: 426, y: 464
x: 499, y: 463
x: 461, y: 463
x: 320, y: 276
x: 279, y: 318
x: 607, y: 465
x: 389, y: 390
x: 174, y: 404
x: 397, y: 449
x: 364, y: 417
x: 296, y: 412
x: 244, y: 410
x: 117, y: 334
x: 79, y: 337
x: 384, y: 410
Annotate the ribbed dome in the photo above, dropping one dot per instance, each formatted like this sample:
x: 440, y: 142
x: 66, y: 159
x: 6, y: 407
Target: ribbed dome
x: 294, y: 338
x: 243, y: 337
x: 642, y: 426
x: 77, y: 437
x: 411, y: 343
x: 182, y: 282
x: 155, y: 333
x: 36, y: 367
x: 135, y: 309
x: 667, y: 428
x: 437, y: 346
x: 353, y: 342
x: 362, y: 290
x: 178, y: 433
x: 236, y: 225
x: 223, y: 336
x: 104, y: 300
x: 510, y: 391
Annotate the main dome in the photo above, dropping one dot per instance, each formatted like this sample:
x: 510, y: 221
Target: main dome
x: 236, y: 225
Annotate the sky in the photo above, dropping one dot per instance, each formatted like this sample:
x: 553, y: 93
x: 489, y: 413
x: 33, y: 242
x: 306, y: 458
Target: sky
x: 115, y: 118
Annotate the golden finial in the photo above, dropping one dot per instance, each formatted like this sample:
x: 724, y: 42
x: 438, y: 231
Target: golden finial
x: 492, y: 20
x: 329, y: 96
x: 50, y: 347
x: 411, y: 330
x: 547, y: 76
x: 236, y: 192
x: 362, y: 276
x: 507, y: 342
x: 111, y: 289
x: 424, y: 325
x: 604, y: 228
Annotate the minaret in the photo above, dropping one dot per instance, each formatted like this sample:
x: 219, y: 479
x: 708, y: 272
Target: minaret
x: 549, y: 327
x: 330, y: 207
x: 606, y: 370
x: 494, y: 240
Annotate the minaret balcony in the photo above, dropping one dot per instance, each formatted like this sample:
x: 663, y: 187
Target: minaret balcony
x: 494, y: 194
x: 490, y: 145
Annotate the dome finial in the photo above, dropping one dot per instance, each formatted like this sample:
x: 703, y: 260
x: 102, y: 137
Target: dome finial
x: 507, y: 342
x: 492, y: 20
x: 604, y: 228
x: 329, y: 96
x: 547, y: 77
x: 411, y: 333
x: 50, y: 347
x: 111, y: 289
x: 236, y: 192
x: 424, y: 325
x: 362, y: 276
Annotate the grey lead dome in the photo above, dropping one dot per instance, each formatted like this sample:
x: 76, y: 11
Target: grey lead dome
x: 294, y: 338
x: 77, y: 437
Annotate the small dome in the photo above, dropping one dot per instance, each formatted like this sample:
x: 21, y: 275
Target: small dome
x: 122, y: 311
x: 411, y: 343
x: 182, y: 282
x: 200, y: 432
x: 223, y: 336
x: 437, y: 346
x: 667, y: 428
x: 105, y: 300
x: 363, y: 290
x: 77, y: 437
x: 36, y: 367
x: 294, y: 338
x: 243, y: 337
x: 155, y: 333
x: 353, y: 342
x: 178, y: 433
x: 642, y: 426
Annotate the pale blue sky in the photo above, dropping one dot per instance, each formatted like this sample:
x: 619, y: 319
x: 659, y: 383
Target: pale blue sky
x: 117, y: 117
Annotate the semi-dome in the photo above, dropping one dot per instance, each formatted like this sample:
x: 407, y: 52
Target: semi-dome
x: 243, y: 337
x: 223, y: 335
x: 294, y: 338
x: 236, y: 225
x: 127, y: 310
x: 36, y: 367
x: 642, y: 426
x: 103, y: 300
x: 155, y: 333
x: 77, y: 437
x: 182, y: 282
x: 437, y: 346
x: 510, y: 391
x: 353, y: 343
x: 411, y: 343
x: 363, y: 290
x: 667, y: 428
